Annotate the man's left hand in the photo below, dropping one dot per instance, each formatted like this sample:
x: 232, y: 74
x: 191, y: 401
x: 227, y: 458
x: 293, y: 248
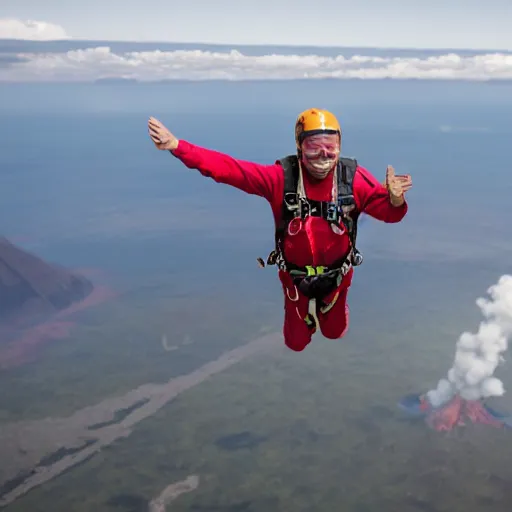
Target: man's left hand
x: 397, y: 186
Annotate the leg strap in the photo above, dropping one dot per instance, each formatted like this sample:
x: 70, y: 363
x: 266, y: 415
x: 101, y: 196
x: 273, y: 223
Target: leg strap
x: 328, y: 307
x: 311, y: 318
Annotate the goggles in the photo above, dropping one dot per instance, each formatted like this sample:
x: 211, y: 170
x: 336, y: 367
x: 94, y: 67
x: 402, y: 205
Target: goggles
x: 327, y: 145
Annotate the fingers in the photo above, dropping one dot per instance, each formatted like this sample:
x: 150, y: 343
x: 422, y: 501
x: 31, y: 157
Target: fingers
x: 401, y: 180
x: 407, y: 184
x: 157, y: 131
x: 161, y: 136
x: 155, y: 138
x: 400, y: 189
x: 153, y: 132
x: 158, y: 136
x: 154, y: 122
x: 397, y: 184
x: 390, y: 176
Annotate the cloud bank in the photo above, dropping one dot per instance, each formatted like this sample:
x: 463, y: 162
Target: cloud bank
x: 31, y: 30
x: 101, y: 62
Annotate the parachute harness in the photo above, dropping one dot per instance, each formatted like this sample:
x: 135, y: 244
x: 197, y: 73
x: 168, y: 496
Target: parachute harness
x: 316, y: 282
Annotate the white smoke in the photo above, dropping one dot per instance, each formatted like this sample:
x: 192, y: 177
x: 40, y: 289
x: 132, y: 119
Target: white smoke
x: 478, y: 355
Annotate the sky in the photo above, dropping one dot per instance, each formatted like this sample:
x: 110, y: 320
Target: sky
x: 456, y: 24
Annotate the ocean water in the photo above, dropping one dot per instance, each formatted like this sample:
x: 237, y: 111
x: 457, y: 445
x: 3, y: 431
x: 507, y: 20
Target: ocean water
x: 82, y: 185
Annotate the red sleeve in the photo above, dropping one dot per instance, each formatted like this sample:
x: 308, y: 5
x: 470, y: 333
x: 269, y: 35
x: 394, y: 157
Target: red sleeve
x: 372, y: 198
x: 261, y: 180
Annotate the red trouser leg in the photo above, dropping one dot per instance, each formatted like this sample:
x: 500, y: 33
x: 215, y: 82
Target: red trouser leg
x: 297, y: 335
x: 334, y: 323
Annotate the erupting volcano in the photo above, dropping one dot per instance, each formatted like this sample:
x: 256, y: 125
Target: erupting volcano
x: 458, y: 412
x: 460, y: 396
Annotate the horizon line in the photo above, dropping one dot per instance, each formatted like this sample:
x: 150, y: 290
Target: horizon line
x: 257, y: 45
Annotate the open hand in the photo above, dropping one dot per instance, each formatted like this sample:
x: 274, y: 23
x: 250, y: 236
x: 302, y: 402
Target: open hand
x: 161, y: 136
x: 397, y: 186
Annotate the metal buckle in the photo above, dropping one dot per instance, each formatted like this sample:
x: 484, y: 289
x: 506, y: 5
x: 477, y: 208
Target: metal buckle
x: 346, y: 200
x: 347, y: 203
x: 304, y: 208
x: 291, y: 200
x: 357, y: 258
x: 332, y: 212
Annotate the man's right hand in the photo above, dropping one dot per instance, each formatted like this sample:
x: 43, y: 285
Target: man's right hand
x: 161, y: 136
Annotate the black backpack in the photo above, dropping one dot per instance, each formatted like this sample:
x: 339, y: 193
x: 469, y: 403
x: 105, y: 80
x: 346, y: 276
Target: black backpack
x: 343, y: 211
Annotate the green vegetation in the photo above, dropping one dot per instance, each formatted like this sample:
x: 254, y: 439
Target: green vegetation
x: 282, y: 431
x: 332, y: 442
x: 118, y: 346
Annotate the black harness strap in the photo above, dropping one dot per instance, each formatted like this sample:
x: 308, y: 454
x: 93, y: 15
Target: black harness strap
x: 344, y: 210
x: 347, y: 203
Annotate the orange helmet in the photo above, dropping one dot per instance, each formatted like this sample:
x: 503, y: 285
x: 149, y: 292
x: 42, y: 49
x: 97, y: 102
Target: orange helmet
x: 313, y: 121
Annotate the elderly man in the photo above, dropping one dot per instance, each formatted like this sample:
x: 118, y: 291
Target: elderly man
x: 316, y: 197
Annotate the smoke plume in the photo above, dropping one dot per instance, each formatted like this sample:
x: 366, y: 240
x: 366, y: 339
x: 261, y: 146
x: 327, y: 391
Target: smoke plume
x: 478, y: 355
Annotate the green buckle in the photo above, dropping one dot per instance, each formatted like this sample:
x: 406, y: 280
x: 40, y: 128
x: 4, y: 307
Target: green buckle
x: 315, y: 271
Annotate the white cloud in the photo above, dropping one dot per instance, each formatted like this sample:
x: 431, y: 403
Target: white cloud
x: 31, y: 30
x: 100, y: 62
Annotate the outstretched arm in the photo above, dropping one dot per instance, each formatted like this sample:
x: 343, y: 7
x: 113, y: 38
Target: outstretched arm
x: 383, y: 202
x: 252, y: 178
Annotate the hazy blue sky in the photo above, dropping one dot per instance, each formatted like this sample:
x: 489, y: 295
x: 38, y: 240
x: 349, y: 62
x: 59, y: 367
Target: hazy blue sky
x: 405, y: 23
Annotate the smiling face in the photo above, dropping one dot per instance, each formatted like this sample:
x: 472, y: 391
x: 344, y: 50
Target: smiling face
x: 320, y: 154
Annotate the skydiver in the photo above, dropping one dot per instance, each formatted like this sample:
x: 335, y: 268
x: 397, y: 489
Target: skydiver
x: 316, y: 197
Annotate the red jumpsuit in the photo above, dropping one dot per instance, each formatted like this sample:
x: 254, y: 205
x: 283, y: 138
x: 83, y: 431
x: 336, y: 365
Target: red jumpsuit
x: 313, y: 241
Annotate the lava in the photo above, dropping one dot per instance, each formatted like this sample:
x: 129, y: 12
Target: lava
x: 460, y: 397
x: 456, y: 413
